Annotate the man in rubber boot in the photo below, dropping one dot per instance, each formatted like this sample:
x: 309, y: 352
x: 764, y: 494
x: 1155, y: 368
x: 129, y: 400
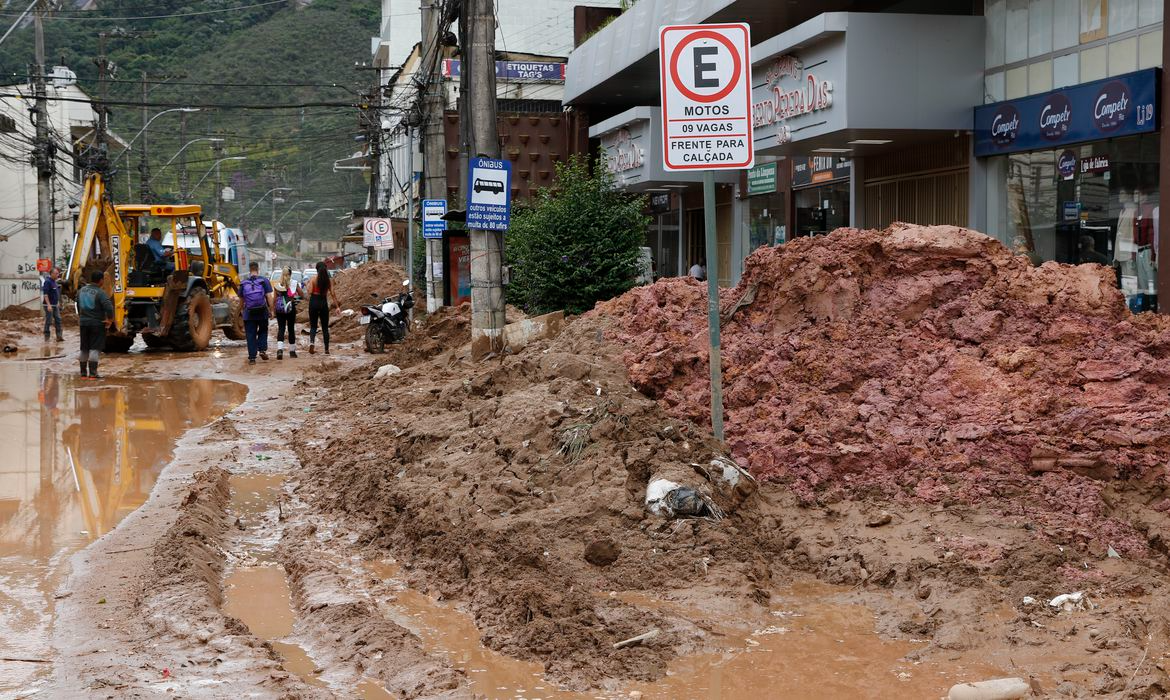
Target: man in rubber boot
x: 51, y: 303
x: 95, y: 313
x: 259, y: 301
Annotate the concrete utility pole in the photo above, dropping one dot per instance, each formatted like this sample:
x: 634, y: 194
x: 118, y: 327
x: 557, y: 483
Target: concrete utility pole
x: 43, y: 154
x: 479, y: 109
x: 433, y: 143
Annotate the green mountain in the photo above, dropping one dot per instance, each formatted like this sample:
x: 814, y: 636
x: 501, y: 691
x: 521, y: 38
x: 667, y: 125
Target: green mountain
x: 219, y: 56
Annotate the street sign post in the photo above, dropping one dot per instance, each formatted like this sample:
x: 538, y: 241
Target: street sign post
x: 433, y: 211
x: 706, y: 89
x: 378, y: 234
x: 489, y: 194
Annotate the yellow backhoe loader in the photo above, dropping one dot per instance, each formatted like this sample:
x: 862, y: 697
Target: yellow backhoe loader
x: 175, y: 303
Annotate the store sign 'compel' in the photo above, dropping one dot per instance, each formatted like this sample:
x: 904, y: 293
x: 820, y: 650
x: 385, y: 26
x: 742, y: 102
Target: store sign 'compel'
x: 1120, y: 106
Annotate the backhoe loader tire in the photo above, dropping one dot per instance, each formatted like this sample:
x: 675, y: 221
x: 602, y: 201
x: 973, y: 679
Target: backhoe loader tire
x: 236, y: 330
x: 156, y: 341
x: 119, y: 343
x: 193, y: 323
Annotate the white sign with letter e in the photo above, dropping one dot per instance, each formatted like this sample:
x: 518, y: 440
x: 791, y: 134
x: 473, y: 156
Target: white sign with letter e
x: 378, y: 233
x: 706, y: 79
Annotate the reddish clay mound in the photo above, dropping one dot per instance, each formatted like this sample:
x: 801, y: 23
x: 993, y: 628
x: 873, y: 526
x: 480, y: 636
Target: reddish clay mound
x: 923, y: 363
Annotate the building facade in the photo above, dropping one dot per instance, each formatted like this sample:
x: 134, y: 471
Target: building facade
x: 1070, y: 136
x: 72, y: 120
x: 1035, y: 121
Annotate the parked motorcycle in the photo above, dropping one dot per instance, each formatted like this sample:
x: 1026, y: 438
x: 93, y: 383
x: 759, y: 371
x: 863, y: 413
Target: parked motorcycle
x: 387, y: 322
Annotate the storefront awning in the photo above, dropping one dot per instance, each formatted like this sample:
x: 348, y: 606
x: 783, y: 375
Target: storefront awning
x: 631, y: 144
x: 850, y: 84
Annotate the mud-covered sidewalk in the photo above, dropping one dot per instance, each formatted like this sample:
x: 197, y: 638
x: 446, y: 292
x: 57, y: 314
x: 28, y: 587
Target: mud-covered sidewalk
x: 904, y: 499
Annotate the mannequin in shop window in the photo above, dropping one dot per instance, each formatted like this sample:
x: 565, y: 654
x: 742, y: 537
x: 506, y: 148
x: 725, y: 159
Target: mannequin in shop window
x: 1124, y: 247
x: 1146, y: 255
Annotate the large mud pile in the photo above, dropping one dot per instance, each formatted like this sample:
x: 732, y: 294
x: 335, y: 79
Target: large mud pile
x: 356, y: 287
x: 923, y: 364
x: 516, y: 487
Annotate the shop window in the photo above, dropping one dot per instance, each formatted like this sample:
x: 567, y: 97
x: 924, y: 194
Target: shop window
x: 821, y: 210
x: 995, y: 14
x: 1039, y: 27
x: 766, y: 225
x: 1123, y: 16
x: 1150, y: 50
x: 1093, y: 64
x: 1104, y: 210
x: 1150, y: 12
x: 1016, y: 37
x: 1066, y: 24
x: 1094, y: 20
x: 1123, y: 56
x: 1065, y: 69
x: 1039, y: 77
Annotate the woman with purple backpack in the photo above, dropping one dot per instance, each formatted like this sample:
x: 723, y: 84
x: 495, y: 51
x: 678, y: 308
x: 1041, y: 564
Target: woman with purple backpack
x: 287, y: 292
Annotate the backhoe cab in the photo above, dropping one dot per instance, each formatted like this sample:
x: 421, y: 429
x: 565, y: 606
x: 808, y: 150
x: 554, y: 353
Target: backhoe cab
x: 174, y: 303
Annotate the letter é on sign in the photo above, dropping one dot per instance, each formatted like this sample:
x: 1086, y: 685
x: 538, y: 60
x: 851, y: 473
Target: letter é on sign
x: 702, y: 67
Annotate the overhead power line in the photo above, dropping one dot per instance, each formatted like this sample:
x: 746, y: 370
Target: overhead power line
x: 119, y: 103
x: 88, y: 15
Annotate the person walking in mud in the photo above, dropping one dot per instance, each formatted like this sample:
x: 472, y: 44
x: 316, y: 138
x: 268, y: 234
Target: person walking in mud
x: 319, y: 288
x: 95, y: 312
x: 287, y: 290
x: 259, y: 303
x: 51, y: 303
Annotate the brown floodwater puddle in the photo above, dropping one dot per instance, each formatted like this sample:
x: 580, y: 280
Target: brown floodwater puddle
x: 259, y: 597
x: 804, y: 647
x: 78, y: 457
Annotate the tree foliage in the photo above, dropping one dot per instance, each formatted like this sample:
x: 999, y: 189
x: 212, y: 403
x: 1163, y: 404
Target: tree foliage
x: 577, y: 244
x: 190, y: 57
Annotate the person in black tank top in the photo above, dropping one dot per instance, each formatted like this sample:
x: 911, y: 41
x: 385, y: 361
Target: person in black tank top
x: 320, y: 288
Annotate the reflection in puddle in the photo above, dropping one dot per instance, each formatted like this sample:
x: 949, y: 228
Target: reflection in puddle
x: 78, y: 457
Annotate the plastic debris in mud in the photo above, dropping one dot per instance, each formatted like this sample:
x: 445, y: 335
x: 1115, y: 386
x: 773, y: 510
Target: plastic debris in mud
x: 996, y: 689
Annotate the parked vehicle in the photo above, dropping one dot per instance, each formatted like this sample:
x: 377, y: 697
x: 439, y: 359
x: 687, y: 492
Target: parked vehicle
x: 387, y: 322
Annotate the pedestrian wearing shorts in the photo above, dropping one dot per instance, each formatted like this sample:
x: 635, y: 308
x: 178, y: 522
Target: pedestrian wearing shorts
x: 320, y: 288
x: 95, y: 313
x: 287, y: 290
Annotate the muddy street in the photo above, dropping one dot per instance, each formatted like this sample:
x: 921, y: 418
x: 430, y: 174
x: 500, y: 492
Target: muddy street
x: 326, y: 526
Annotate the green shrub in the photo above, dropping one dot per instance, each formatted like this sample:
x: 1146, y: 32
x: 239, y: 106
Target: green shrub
x: 577, y: 243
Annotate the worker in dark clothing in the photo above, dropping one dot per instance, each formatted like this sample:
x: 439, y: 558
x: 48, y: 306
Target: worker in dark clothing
x: 95, y: 313
x: 51, y: 302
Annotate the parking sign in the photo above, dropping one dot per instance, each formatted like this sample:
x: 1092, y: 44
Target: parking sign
x: 706, y: 79
x: 489, y: 194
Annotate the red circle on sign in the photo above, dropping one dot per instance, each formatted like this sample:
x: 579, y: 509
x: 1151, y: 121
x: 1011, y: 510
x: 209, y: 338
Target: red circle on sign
x: 735, y: 66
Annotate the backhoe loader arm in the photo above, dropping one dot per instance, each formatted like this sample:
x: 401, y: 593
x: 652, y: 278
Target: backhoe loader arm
x: 97, y: 223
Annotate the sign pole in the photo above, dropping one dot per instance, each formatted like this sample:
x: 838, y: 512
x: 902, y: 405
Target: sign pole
x: 713, y: 304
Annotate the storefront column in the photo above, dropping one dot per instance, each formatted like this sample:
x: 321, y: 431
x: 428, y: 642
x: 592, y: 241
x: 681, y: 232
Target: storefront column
x: 738, y: 234
x: 977, y: 169
x: 857, y: 193
x: 1164, y: 186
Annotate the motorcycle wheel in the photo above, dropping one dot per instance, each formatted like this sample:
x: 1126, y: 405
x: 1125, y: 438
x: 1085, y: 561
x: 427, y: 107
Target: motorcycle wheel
x: 375, y: 343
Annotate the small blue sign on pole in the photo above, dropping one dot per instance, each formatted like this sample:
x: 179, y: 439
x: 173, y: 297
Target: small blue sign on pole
x: 489, y: 194
x: 433, y: 211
